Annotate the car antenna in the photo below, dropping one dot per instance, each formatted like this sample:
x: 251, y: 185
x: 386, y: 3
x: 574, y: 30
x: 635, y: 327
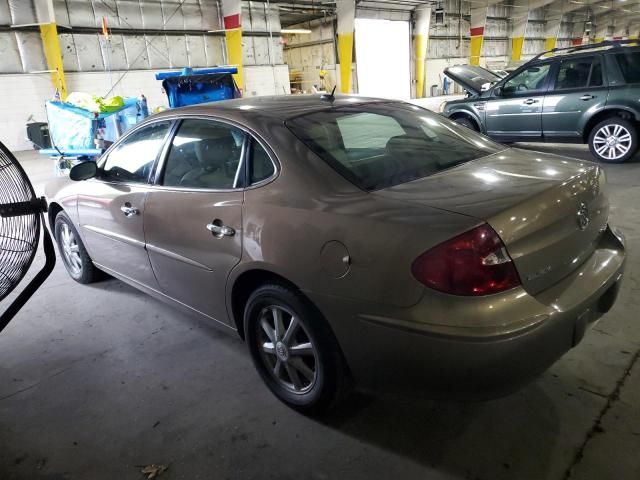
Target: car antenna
x: 330, y: 97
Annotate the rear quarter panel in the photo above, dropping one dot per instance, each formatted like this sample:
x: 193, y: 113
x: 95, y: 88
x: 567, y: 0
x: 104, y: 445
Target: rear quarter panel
x: 304, y: 223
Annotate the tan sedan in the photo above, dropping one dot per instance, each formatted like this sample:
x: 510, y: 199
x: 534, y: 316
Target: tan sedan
x: 350, y: 239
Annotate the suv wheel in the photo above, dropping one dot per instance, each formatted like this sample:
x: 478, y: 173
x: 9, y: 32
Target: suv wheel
x: 293, y: 349
x: 466, y: 122
x: 614, y: 140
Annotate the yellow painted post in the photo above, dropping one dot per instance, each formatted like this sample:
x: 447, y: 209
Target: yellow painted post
x: 231, y: 20
x: 234, y: 53
x: 51, y: 46
x: 421, y: 39
x: 516, y: 48
x: 476, y: 45
x: 421, y: 47
x: 345, y: 54
x: 346, y: 13
x: 550, y: 43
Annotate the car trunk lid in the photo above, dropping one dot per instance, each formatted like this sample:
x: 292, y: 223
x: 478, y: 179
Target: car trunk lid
x: 548, y: 210
x: 472, y: 78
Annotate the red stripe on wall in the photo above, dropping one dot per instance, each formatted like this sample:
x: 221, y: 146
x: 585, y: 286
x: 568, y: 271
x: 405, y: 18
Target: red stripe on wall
x: 617, y: 38
x: 577, y: 41
x: 476, y: 31
x: 232, y: 21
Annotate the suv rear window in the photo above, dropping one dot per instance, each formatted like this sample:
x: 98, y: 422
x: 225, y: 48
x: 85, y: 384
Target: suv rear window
x: 380, y: 145
x: 629, y: 66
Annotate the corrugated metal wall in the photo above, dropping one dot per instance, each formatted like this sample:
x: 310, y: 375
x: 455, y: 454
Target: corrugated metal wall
x: 139, y: 40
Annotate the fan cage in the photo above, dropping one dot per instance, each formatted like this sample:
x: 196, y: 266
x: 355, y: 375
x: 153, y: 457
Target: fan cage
x: 19, y: 235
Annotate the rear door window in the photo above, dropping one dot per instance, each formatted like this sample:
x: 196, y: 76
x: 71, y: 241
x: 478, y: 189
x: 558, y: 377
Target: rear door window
x: 204, y: 154
x: 629, y: 64
x: 579, y: 73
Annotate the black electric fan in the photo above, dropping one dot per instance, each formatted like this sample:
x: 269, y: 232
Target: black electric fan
x: 21, y: 218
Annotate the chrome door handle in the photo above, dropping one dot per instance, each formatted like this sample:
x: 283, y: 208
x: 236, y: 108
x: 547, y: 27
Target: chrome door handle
x: 530, y: 101
x: 587, y: 97
x: 128, y: 210
x: 220, y: 230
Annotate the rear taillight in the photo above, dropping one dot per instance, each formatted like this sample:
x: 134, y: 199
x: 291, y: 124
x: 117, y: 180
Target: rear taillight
x: 474, y: 263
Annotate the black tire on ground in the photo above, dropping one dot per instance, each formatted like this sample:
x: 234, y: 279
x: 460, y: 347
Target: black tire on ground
x: 466, y: 122
x: 622, y: 130
x: 321, y: 380
x: 79, y: 265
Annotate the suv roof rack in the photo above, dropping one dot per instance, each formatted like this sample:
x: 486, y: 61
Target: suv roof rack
x: 577, y: 48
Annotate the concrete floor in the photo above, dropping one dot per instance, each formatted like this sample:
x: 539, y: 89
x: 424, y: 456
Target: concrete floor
x: 97, y: 381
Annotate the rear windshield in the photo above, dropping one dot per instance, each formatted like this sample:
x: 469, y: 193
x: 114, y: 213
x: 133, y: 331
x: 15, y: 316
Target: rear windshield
x: 380, y: 145
x: 629, y: 66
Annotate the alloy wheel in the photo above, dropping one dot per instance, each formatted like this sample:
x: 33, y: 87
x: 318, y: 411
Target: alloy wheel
x: 287, y: 350
x: 612, y: 141
x: 70, y: 250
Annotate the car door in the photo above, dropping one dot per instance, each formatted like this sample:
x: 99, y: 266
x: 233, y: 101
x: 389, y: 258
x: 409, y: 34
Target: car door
x: 578, y: 90
x: 112, y: 208
x: 193, y: 214
x: 514, y: 109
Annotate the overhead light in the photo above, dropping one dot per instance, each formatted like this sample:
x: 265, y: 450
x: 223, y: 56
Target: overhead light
x: 295, y: 31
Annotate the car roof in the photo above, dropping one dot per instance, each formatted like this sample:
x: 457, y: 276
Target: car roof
x: 604, y: 48
x: 276, y: 107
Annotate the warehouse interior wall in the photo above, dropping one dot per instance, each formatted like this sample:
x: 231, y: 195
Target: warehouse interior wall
x: 147, y: 36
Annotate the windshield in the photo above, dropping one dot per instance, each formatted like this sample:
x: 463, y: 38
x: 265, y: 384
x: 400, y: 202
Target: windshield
x: 384, y: 144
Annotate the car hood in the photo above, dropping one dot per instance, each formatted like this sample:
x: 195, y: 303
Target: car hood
x: 471, y: 77
x: 489, y: 185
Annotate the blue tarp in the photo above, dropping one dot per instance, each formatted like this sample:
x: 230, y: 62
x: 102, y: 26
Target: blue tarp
x: 73, y: 128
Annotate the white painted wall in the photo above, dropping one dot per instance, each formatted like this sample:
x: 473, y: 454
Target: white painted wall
x: 24, y: 95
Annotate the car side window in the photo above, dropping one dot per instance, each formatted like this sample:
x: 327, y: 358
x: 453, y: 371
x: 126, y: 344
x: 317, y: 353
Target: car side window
x: 530, y: 80
x: 261, y: 164
x: 629, y: 64
x: 578, y: 73
x: 204, y: 154
x: 132, y: 160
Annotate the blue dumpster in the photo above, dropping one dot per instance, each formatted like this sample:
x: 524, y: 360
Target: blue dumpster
x: 190, y: 87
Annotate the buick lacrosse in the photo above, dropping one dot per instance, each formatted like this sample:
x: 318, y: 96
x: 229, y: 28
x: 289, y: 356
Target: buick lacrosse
x: 349, y: 240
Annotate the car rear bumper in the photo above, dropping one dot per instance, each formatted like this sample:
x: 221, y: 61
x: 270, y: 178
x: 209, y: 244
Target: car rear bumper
x: 477, y: 343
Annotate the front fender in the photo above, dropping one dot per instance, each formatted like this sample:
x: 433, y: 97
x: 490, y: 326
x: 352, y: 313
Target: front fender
x: 474, y: 110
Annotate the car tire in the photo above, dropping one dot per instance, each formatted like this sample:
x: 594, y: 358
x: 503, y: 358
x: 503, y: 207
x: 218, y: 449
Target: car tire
x: 75, y: 257
x: 620, y: 130
x: 302, y: 365
x: 466, y: 122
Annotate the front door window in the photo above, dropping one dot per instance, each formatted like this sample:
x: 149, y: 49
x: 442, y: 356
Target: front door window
x: 530, y: 81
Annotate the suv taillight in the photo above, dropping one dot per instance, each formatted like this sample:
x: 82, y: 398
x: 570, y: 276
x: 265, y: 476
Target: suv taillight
x: 474, y: 263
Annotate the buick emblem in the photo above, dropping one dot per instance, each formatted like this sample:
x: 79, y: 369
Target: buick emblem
x: 583, y: 217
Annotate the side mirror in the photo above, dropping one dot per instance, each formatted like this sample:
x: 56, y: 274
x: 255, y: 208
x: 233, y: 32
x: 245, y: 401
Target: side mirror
x: 497, y: 91
x: 83, y: 171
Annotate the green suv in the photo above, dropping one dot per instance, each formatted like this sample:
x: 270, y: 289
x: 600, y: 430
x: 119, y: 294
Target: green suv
x: 585, y: 94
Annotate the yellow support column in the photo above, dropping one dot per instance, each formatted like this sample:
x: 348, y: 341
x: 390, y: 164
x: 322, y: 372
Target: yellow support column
x: 346, y: 12
x: 234, y: 53
x: 550, y: 43
x: 421, y: 47
x: 231, y: 13
x: 476, y: 30
x: 516, y: 48
x: 421, y: 38
x: 345, y: 54
x: 51, y: 46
